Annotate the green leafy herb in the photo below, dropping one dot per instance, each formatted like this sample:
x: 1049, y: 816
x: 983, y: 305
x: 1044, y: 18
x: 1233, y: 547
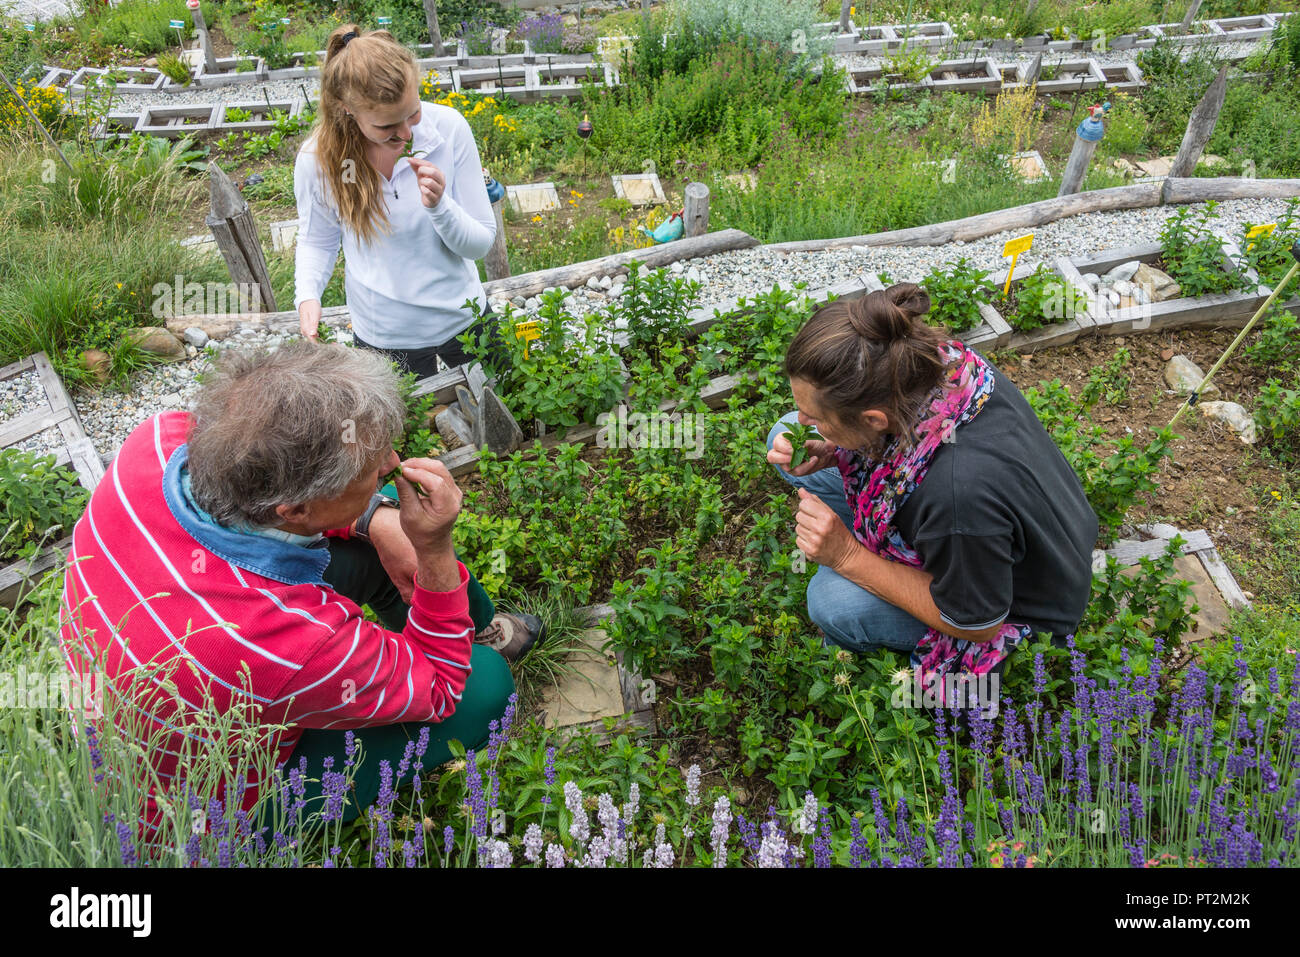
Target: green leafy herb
x: 799, y: 434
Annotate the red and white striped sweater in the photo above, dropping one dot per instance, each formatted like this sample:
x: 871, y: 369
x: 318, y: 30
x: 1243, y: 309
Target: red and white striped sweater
x: 144, y: 585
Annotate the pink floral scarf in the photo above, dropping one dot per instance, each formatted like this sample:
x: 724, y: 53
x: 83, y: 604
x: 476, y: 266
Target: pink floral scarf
x: 878, y: 487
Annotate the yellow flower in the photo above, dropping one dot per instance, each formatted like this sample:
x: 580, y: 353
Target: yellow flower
x: 1276, y: 494
x: 537, y: 218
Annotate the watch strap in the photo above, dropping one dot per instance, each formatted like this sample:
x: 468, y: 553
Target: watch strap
x: 377, y: 500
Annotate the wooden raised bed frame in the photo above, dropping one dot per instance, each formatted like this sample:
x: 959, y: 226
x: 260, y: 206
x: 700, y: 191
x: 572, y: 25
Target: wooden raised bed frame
x: 77, y: 452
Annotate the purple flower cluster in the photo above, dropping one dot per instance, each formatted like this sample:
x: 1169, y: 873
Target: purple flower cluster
x: 544, y: 34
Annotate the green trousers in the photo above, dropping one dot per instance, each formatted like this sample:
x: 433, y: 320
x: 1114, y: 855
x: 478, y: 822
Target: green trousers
x: 355, y: 571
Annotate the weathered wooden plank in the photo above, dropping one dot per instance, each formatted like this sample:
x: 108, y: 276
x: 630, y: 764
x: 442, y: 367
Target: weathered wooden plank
x: 14, y: 368
x: 1223, y: 578
x: 14, y: 577
x: 29, y: 423
x: 1130, y: 553
x: 54, y: 392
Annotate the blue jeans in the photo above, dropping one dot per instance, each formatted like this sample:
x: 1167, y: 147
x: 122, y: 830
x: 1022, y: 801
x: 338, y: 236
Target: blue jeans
x: 849, y: 615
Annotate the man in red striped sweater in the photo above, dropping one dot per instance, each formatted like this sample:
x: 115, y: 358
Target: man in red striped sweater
x: 216, y: 579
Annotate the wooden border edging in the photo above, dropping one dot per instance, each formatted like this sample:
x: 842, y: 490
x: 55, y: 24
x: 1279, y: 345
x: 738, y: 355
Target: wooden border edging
x: 1139, y: 195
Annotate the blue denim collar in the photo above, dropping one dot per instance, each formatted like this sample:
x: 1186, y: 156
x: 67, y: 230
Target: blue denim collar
x: 281, y: 561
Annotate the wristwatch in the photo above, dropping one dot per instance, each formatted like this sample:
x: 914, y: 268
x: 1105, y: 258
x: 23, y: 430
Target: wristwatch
x: 363, y: 523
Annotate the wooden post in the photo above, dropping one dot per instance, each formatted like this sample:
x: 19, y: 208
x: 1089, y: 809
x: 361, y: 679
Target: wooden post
x: 844, y: 15
x: 696, y: 215
x: 231, y: 222
x: 1035, y: 70
x: 435, y: 31
x: 1086, y: 138
x: 1200, y: 126
x: 209, y: 59
x: 496, y: 263
x: 1192, y: 9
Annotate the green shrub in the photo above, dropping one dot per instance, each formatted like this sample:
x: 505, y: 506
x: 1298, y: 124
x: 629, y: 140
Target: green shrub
x: 1042, y: 297
x: 558, y: 378
x: 1277, y: 343
x: 956, y: 294
x: 1193, y: 254
x: 1113, y: 479
x: 1277, y: 416
x: 38, y: 502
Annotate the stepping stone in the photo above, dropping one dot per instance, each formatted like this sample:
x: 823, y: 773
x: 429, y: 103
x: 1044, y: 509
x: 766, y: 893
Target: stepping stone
x: 594, y: 687
x: 1029, y: 166
x: 641, y: 189
x: 1212, y: 619
x: 533, y: 198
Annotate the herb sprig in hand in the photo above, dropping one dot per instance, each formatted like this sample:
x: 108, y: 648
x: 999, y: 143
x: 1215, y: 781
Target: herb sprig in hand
x: 800, y: 435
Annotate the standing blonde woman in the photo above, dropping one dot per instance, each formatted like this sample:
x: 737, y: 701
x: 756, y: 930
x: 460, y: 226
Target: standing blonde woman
x: 411, y: 227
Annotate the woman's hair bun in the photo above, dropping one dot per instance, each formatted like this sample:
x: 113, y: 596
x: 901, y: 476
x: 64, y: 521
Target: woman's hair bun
x: 888, y: 315
x: 910, y: 298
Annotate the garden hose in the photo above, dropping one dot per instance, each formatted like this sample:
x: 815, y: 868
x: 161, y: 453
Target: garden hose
x: 1195, y: 394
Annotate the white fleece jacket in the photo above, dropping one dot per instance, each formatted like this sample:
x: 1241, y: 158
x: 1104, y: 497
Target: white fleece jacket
x: 407, y: 289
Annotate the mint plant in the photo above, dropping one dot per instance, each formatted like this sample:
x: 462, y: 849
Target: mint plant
x: 800, y: 434
x: 1193, y: 254
x: 1042, y: 298
x: 37, y: 502
x: 568, y: 374
x: 956, y: 294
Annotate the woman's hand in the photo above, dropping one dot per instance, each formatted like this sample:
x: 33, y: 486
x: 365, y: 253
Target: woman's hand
x: 309, y: 313
x: 431, y: 179
x: 821, y: 454
x: 821, y: 535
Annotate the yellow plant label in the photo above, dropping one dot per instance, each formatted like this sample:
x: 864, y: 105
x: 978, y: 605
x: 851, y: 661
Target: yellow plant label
x: 1261, y: 230
x: 528, y: 331
x: 1015, y: 247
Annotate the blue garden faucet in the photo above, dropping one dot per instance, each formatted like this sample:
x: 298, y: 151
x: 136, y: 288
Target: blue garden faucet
x: 1092, y: 129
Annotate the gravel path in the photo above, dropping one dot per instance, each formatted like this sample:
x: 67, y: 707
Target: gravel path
x: 109, y: 416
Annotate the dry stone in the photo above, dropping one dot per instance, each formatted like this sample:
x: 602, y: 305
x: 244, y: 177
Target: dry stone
x: 1159, y: 285
x: 1184, y: 376
x: 157, y: 341
x: 1233, y: 416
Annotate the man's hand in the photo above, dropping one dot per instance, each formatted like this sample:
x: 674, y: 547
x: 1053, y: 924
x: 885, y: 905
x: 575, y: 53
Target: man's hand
x: 431, y: 179
x: 395, y: 550
x: 427, y: 518
x: 821, y: 535
x: 821, y: 454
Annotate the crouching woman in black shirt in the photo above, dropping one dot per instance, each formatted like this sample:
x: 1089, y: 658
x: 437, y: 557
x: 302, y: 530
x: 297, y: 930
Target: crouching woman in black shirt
x: 945, y: 521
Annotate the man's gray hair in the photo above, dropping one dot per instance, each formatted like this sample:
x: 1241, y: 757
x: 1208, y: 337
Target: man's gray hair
x: 282, y: 428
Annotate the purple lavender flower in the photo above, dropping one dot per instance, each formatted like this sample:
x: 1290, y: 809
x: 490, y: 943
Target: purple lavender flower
x: 721, y: 827
x: 822, y: 843
x: 857, y: 844
x: 555, y: 855
x: 477, y: 800
x: 693, y: 785
x: 448, y: 839
x: 550, y: 773
x: 533, y: 843
x: 126, y: 844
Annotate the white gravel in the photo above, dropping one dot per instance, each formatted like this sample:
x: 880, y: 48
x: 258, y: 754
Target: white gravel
x: 110, y: 416
x: 21, y: 394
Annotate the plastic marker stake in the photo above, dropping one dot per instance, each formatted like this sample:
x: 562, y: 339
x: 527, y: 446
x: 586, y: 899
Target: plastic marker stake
x: 177, y: 24
x: 528, y: 331
x: 1261, y: 230
x: 1014, y: 248
x: 384, y: 21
